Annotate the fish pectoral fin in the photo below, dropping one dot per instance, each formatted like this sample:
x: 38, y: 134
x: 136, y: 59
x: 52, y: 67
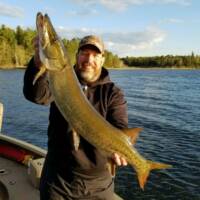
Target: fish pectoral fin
x: 39, y: 74
x: 132, y: 133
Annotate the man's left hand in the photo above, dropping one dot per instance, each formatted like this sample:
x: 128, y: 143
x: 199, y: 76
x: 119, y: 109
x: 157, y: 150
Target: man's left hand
x: 120, y: 161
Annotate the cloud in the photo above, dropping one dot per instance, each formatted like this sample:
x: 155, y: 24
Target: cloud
x: 179, y: 2
x: 175, y: 21
x: 171, y: 21
x: 121, y: 5
x: 122, y: 44
x: 74, y: 33
x: 10, y: 11
x: 83, y: 12
x: 117, y: 5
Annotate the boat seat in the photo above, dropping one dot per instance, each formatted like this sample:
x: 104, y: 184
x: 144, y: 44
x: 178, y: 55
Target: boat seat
x: 35, y: 170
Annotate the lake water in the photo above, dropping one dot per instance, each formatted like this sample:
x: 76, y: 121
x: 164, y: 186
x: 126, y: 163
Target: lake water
x: 166, y: 103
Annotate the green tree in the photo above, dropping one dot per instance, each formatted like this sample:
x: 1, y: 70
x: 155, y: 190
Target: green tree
x: 71, y: 48
x: 8, y: 35
x: 19, y: 35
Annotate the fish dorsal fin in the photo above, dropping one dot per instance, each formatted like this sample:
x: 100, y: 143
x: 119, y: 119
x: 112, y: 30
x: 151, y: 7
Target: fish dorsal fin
x: 132, y: 133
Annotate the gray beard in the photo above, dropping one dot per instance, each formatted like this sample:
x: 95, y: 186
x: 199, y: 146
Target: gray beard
x: 89, y: 77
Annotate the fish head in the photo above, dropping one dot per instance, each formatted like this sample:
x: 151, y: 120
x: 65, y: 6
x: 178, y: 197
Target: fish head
x: 51, y: 48
x: 42, y: 32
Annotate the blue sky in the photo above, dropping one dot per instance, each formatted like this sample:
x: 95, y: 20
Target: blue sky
x: 128, y: 27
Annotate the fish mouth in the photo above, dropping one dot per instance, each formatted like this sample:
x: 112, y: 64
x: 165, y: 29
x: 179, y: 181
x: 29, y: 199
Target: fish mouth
x: 45, y: 29
x: 41, y: 29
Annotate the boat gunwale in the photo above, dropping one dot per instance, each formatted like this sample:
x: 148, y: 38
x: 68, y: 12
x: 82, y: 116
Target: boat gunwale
x: 25, y: 145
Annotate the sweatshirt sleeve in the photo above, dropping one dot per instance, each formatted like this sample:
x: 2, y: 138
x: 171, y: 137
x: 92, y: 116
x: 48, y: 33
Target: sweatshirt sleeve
x: 38, y: 93
x: 117, y: 109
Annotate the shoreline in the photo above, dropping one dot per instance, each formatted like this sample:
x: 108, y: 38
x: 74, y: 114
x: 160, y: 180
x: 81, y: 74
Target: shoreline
x: 153, y: 68
x: 115, y: 68
x: 11, y: 67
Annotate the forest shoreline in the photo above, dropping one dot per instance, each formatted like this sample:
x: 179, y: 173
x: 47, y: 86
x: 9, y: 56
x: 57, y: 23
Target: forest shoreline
x: 116, y: 68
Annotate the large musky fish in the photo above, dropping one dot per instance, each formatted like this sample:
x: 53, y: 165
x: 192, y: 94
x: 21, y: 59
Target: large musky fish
x: 77, y: 110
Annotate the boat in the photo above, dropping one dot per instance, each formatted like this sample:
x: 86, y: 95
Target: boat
x: 20, y: 168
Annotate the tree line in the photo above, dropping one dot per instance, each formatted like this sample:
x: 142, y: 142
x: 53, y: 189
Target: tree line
x: 16, y: 49
x: 168, y: 61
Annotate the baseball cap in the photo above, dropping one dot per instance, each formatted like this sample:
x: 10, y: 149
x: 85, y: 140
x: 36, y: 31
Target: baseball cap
x: 92, y: 40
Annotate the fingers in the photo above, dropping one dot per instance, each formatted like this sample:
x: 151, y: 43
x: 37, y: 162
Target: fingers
x: 120, y: 161
x: 37, y: 60
x: 124, y: 162
x: 35, y: 42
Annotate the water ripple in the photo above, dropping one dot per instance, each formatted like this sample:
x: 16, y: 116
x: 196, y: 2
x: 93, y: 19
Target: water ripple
x: 164, y: 102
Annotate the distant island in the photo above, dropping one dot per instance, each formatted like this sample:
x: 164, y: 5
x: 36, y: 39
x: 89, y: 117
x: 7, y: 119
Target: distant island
x: 16, y: 50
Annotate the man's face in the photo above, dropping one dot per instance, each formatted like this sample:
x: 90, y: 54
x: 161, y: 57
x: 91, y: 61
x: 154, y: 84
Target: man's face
x: 89, y: 64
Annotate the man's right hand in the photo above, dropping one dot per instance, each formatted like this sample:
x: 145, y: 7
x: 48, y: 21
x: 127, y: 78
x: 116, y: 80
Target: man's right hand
x: 37, y: 60
x: 38, y: 63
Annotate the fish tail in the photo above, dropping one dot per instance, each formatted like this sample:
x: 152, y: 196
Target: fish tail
x: 144, y: 172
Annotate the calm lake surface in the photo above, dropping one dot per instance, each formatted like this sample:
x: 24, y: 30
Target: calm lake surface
x: 166, y: 103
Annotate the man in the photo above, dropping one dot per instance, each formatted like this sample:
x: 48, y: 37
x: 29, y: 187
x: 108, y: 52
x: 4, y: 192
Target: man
x: 68, y: 172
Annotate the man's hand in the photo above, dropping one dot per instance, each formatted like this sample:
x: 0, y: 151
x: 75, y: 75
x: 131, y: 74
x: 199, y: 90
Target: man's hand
x: 37, y: 60
x: 120, y: 161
